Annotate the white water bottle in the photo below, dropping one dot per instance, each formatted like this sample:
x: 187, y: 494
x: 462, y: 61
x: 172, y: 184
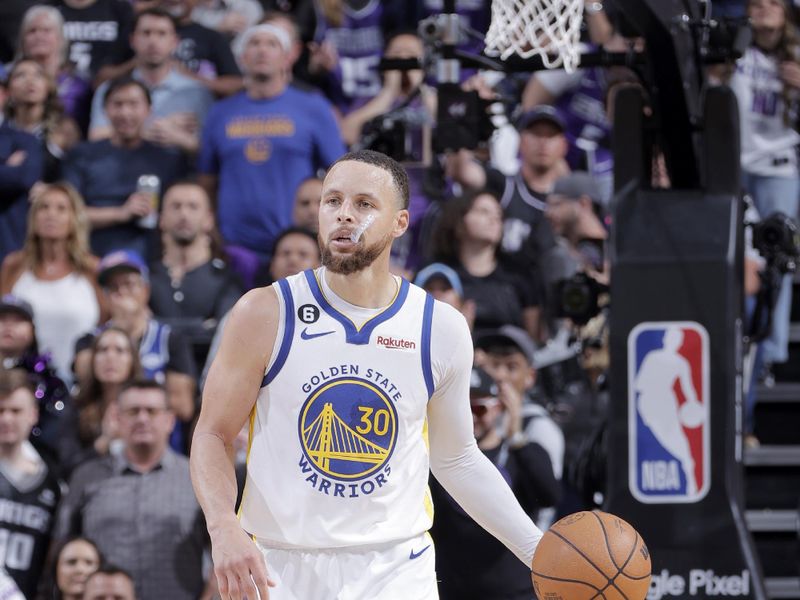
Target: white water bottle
x: 150, y: 186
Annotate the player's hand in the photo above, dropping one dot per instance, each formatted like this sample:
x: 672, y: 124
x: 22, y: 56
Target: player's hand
x: 137, y: 205
x: 239, y: 566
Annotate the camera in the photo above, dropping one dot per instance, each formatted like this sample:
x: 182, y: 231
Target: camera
x: 462, y: 120
x: 577, y: 298
x: 778, y: 240
x: 400, y: 134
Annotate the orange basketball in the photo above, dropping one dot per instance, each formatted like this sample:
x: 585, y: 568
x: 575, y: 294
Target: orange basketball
x: 591, y: 555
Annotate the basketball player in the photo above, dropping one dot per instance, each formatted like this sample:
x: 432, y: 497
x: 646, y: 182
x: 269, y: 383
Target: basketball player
x: 355, y: 382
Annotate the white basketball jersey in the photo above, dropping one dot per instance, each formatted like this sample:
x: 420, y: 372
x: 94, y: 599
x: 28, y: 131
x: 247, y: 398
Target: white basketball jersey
x: 338, y: 441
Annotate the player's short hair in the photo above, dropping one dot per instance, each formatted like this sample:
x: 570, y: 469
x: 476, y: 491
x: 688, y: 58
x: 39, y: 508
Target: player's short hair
x: 141, y: 383
x: 12, y: 380
x: 122, y: 82
x: 388, y: 164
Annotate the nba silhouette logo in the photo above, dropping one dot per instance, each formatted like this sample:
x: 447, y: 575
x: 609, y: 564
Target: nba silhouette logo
x: 668, y: 412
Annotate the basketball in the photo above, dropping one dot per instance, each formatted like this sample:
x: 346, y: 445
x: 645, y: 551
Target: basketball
x: 591, y: 555
x: 691, y: 414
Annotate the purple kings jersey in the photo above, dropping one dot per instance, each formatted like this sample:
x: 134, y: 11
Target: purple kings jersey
x: 588, y: 130
x: 359, y: 42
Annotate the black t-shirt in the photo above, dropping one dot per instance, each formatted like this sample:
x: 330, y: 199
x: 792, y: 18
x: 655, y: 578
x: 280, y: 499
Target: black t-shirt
x: 106, y: 175
x: 26, y: 521
x: 527, y: 234
x: 180, y: 355
x: 470, y: 563
x: 98, y: 34
x: 195, y: 305
x: 207, y: 292
x: 499, y: 297
x: 205, y: 52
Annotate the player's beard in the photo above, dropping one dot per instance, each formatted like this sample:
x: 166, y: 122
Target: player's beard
x: 362, y: 257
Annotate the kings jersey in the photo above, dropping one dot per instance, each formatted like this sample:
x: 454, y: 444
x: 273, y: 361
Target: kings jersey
x: 26, y: 520
x: 338, y: 450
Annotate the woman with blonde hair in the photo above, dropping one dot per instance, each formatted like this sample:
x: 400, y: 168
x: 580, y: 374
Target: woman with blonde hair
x: 55, y: 272
x: 33, y: 106
x: 41, y: 39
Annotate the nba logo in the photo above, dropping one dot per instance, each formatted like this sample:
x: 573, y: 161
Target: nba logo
x: 668, y: 412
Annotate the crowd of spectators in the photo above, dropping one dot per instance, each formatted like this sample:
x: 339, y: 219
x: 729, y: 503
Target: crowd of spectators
x: 158, y: 158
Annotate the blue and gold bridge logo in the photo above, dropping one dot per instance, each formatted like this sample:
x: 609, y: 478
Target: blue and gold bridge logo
x: 348, y: 429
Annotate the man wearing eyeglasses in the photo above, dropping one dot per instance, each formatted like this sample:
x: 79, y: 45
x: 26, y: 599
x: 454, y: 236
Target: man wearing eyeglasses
x: 470, y: 563
x: 138, y: 503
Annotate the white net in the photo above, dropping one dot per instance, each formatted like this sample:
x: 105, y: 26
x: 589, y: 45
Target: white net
x: 549, y: 28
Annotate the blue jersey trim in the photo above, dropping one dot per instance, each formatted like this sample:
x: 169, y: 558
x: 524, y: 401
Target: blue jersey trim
x: 288, y: 333
x: 353, y: 334
x: 427, y: 320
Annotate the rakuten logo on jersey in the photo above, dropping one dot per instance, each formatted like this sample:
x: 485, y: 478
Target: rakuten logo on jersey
x: 702, y: 582
x: 396, y: 343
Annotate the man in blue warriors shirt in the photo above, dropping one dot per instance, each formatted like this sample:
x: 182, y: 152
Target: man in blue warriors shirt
x: 260, y: 144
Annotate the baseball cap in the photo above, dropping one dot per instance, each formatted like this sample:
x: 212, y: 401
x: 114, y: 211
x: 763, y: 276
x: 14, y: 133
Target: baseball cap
x: 577, y: 184
x: 541, y: 113
x: 11, y: 303
x: 121, y: 260
x: 481, y: 384
x: 508, y: 335
x: 441, y: 271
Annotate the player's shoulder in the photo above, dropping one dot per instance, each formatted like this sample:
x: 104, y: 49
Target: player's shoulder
x: 257, y: 306
x: 448, y: 315
x: 258, y: 299
x: 446, y: 319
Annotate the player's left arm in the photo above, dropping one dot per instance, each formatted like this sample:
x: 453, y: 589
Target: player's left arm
x: 456, y: 462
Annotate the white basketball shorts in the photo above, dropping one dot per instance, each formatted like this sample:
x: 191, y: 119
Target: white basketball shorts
x: 403, y: 570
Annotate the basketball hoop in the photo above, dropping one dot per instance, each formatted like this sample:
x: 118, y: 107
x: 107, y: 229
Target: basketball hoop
x: 548, y: 28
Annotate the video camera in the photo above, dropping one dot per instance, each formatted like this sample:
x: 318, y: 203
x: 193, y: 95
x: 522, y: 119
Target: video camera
x: 777, y: 239
x: 577, y: 298
x: 399, y: 134
x: 463, y: 119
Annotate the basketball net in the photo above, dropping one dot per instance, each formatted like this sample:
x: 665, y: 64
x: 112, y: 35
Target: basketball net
x: 549, y: 28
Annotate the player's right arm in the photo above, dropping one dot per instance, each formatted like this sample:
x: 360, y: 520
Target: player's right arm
x: 230, y: 392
